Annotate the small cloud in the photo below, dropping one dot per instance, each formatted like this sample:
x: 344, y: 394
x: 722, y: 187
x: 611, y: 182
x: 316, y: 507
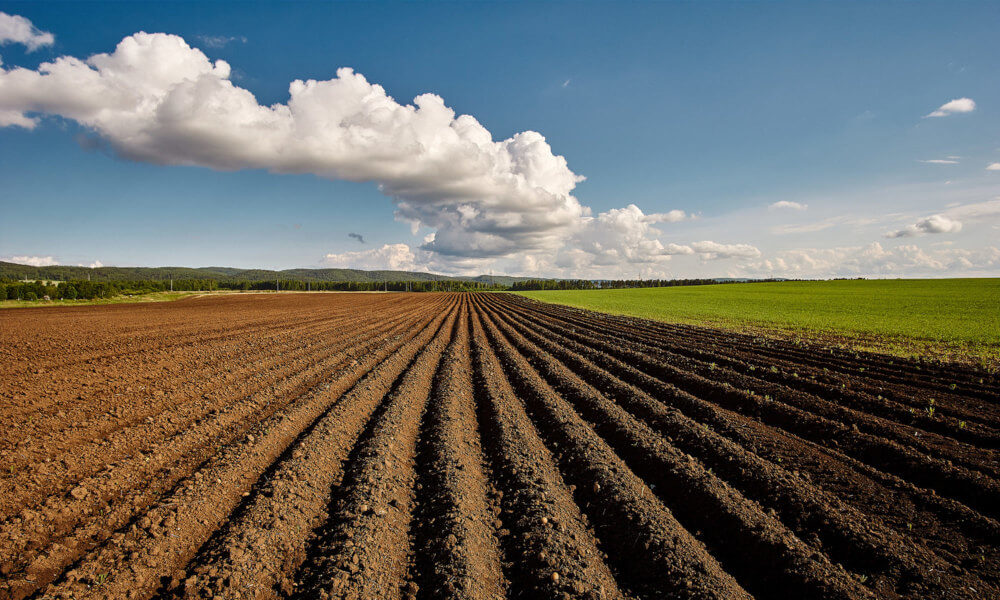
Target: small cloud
x: 357, y: 236
x: 993, y: 166
x: 932, y: 224
x: 959, y: 105
x: 673, y: 216
x: 96, y: 264
x: 939, y: 161
x: 565, y: 84
x: 220, y: 41
x: 34, y: 261
x: 16, y: 29
x: 782, y: 204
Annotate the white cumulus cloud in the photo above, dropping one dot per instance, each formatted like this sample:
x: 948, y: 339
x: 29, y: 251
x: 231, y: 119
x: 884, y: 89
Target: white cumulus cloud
x: 157, y: 99
x: 959, y: 105
x: 18, y: 30
x: 34, y: 261
x: 993, y: 166
x: 621, y: 236
x: 931, y: 224
x: 393, y: 257
x: 950, y: 221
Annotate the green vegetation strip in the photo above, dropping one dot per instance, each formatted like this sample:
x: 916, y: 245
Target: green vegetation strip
x: 150, y: 297
x: 950, y: 319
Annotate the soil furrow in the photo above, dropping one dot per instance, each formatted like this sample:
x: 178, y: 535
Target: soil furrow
x: 455, y: 543
x: 169, y: 534
x: 262, y: 546
x: 364, y: 550
x: 768, y: 559
x: 431, y: 446
x: 936, y: 375
x: 928, y: 374
x: 550, y: 548
x: 976, y: 458
x: 70, y: 530
x: 889, y: 560
x: 970, y: 487
x: 960, y: 417
x: 156, y: 426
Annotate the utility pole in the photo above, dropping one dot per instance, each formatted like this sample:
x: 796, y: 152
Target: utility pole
x: 171, y: 284
x: 277, y: 285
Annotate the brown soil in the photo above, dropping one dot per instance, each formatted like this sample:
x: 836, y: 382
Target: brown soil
x: 479, y: 446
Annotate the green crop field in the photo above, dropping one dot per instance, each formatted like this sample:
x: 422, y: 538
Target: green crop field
x: 944, y: 318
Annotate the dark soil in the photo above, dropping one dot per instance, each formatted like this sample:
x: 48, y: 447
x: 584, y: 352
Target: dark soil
x: 427, y: 446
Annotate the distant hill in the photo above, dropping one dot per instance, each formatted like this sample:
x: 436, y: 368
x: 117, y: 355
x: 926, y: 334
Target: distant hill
x: 67, y: 273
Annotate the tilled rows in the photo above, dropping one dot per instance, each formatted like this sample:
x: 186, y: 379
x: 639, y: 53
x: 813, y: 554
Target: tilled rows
x: 479, y: 446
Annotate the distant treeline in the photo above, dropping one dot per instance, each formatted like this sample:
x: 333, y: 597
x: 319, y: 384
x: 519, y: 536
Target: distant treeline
x: 610, y: 284
x: 362, y: 286
x: 90, y: 290
x: 18, y: 272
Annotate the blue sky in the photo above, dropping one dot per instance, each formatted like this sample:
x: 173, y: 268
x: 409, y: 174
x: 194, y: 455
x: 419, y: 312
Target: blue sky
x: 701, y: 115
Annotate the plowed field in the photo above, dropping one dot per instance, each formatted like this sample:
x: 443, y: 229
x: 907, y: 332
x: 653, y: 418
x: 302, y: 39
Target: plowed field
x: 479, y: 446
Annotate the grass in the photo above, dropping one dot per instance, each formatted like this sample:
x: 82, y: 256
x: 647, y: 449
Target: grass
x: 151, y: 297
x: 948, y: 319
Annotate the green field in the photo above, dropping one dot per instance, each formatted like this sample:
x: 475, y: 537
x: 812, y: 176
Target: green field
x: 944, y: 318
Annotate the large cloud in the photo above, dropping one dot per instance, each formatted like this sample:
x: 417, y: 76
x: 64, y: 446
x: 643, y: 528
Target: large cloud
x: 18, y: 30
x: 157, y: 99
